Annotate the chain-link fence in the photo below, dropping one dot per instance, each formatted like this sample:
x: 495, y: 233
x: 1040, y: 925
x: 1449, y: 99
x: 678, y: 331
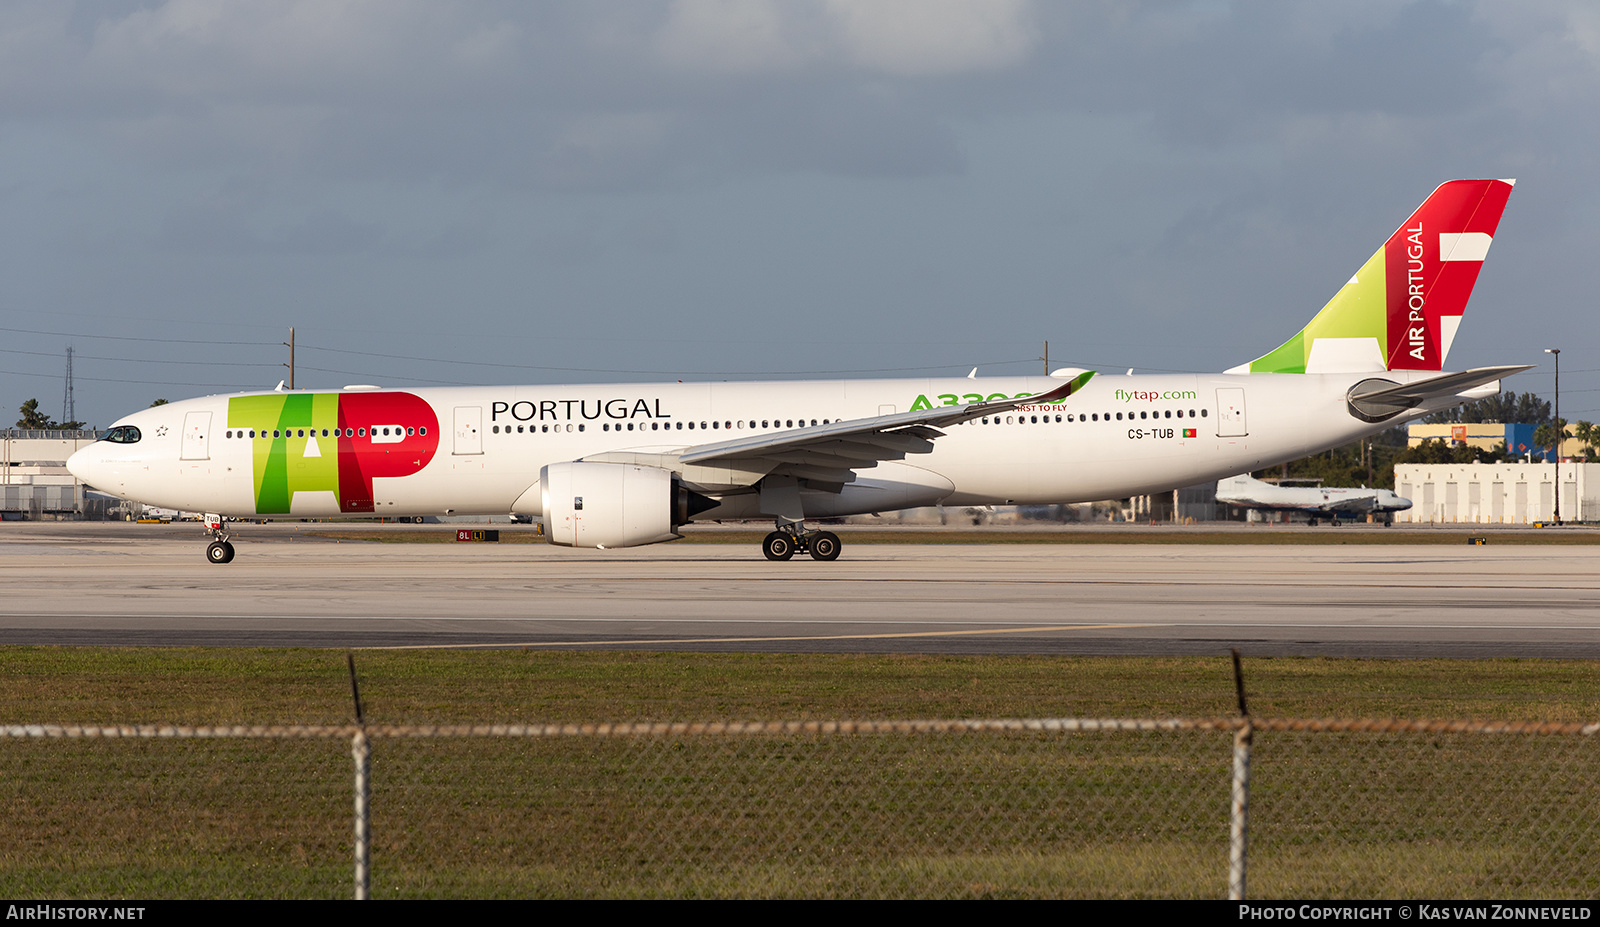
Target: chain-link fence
x: 932, y: 809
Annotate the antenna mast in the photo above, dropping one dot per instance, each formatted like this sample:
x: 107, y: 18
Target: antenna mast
x: 67, y: 409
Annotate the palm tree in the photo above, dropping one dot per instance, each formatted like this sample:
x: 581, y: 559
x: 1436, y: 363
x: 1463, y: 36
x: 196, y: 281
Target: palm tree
x: 1589, y: 435
x: 1549, y: 436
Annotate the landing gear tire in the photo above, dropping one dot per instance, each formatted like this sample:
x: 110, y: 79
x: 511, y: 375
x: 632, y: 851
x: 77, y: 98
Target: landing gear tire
x: 825, y: 546
x: 1311, y: 523
x: 778, y: 546
x: 219, y: 552
x: 416, y: 519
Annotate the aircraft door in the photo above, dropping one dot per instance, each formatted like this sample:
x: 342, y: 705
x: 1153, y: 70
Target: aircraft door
x: 1230, y: 413
x: 197, y: 436
x: 469, y: 430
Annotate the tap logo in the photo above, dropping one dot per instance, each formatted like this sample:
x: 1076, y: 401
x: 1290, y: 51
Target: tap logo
x: 334, y: 443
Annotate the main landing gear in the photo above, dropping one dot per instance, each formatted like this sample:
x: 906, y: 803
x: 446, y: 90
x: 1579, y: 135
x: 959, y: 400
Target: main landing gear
x: 219, y: 550
x: 782, y: 544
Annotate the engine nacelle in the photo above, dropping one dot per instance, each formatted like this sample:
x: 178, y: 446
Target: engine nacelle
x: 588, y: 504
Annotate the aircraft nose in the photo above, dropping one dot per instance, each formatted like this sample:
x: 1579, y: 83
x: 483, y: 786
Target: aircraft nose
x: 78, y: 465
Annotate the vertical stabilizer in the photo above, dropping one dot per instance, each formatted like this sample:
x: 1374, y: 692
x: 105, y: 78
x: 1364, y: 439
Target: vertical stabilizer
x: 1401, y: 309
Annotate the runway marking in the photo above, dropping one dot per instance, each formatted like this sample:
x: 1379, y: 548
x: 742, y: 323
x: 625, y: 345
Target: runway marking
x: 758, y: 640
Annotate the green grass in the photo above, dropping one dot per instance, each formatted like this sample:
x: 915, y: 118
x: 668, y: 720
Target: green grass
x: 245, y: 686
x: 974, y: 816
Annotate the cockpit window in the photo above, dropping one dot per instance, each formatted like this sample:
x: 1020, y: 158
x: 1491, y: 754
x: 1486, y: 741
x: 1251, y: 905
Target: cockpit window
x: 123, y: 434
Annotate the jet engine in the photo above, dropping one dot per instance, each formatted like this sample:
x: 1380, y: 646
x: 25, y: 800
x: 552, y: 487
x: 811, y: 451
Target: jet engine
x: 590, y: 504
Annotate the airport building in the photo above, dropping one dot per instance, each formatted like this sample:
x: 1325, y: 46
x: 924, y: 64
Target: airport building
x: 34, y: 482
x: 1497, y: 494
x: 1518, y: 439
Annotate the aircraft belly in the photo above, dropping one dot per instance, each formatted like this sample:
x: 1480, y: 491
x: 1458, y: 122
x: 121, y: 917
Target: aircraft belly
x: 466, y: 486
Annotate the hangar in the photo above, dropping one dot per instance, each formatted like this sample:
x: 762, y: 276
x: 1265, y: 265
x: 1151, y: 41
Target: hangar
x: 1497, y: 494
x: 34, y: 481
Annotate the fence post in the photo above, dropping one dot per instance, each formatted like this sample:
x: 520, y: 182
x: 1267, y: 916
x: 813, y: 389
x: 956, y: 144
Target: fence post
x: 1239, y: 829
x: 1239, y: 817
x: 361, y: 752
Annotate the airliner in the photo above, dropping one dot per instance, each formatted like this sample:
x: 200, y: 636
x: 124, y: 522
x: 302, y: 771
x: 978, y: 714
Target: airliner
x: 1316, y: 502
x: 620, y: 465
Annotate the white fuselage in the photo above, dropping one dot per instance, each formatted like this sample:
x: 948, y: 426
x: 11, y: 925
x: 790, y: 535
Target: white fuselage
x: 485, y: 447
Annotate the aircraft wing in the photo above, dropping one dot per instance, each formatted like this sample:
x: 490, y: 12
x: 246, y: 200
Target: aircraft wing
x: 1358, y: 504
x: 831, y: 453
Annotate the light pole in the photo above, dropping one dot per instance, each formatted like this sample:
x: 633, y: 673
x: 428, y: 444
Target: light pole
x: 1561, y: 430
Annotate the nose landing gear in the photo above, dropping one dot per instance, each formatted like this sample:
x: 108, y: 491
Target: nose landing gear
x: 783, y: 543
x: 219, y: 550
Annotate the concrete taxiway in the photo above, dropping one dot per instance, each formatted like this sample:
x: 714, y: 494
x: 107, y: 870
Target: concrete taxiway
x: 144, y: 585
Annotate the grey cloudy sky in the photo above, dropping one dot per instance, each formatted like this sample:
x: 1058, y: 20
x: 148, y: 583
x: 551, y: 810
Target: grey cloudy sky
x: 438, y: 192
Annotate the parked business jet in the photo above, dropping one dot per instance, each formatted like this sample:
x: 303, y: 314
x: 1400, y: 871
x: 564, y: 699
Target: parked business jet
x: 1316, y: 502
x: 621, y: 465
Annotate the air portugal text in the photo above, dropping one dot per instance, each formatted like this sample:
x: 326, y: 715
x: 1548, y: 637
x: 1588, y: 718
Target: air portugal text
x: 1416, y: 297
x: 571, y: 410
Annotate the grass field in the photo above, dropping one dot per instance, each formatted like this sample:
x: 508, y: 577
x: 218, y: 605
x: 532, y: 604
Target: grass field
x: 243, y: 686
x: 1024, y: 815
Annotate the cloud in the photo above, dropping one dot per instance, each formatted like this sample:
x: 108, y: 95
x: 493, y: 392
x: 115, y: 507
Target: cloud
x: 903, y: 38
x: 739, y: 36
x: 920, y: 38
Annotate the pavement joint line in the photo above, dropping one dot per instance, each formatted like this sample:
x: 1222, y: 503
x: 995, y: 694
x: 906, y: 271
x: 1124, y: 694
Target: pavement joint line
x: 1375, y: 624
x: 755, y: 640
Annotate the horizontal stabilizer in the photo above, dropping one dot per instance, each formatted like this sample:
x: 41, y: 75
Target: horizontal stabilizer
x: 1377, y: 399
